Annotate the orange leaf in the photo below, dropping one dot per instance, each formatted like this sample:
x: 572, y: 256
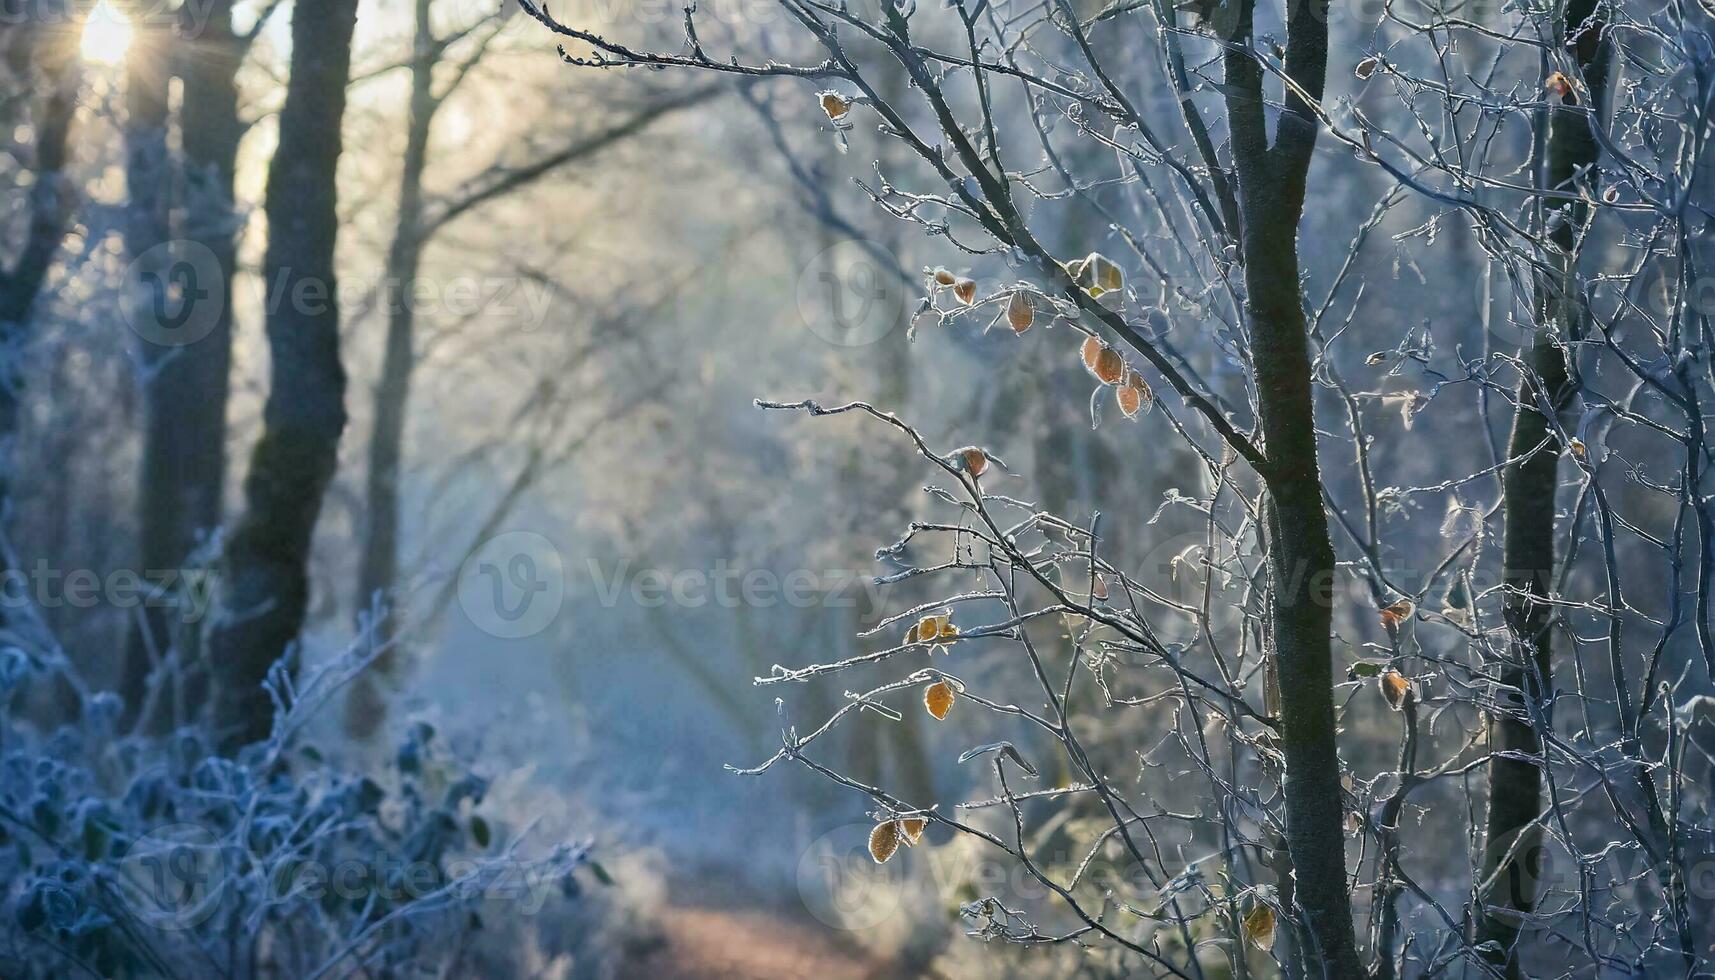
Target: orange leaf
x: 1020, y: 312
x: 965, y: 290
x: 835, y: 104
x: 928, y: 629
x: 1130, y: 400
x: 976, y: 461
x: 1397, y: 613
x: 1092, y: 350
x: 1394, y: 687
x: 1562, y: 86
x: 1110, y: 366
x: 939, y: 699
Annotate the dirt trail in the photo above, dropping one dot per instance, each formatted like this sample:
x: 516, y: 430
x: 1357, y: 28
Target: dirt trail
x: 715, y: 944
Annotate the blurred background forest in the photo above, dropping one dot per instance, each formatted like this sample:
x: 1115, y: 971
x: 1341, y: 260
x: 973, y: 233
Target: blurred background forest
x: 559, y: 294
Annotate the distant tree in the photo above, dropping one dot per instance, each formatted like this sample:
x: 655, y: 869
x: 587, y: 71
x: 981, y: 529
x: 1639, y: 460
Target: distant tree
x: 420, y: 217
x: 1560, y: 161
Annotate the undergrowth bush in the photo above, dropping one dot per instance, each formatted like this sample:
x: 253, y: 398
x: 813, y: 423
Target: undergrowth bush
x: 139, y: 855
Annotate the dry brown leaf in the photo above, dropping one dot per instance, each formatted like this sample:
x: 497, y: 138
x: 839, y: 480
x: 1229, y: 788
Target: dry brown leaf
x: 1091, y: 350
x: 965, y: 290
x: 884, y: 840
x: 1397, y: 613
x: 1366, y: 68
x: 835, y: 105
x: 1109, y: 367
x: 939, y: 699
x: 1130, y: 400
x: 944, y: 277
x: 1020, y: 311
x: 1560, y: 85
x: 1097, y: 274
x: 976, y: 461
x: 1394, y: 687
x: 948, y: 631
x: 911, y: 829
x: 1259, y: 926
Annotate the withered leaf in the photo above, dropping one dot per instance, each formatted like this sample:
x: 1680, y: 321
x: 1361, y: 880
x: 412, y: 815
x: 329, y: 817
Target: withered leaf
x: 884, y: 840
x: 939, y: 699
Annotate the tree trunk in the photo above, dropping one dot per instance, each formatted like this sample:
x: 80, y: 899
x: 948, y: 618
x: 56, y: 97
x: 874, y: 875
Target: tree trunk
x: 1511, y: 855
x: 1301, y: 555
x: 148, y: 189
x: 186, y: 358
x: 267, y: 586
x: 378, y: 573
x: 183, y: 478
x: 52, y: 52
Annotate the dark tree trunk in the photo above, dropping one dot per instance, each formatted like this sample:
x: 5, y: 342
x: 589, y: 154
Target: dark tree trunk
x: 378, y: 572
x: 33, y: 49
x: 148, y: 189
x: 184, y: 403
x: 183, y: 479
x: 267, y: 586
x: 1301, y: 555
x: 1511, y: 854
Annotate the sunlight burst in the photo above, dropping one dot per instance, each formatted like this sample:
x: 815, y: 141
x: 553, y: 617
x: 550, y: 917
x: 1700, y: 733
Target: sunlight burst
x: 106, y: 35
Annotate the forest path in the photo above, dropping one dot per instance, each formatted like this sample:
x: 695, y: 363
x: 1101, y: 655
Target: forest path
x: 721, y: 944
